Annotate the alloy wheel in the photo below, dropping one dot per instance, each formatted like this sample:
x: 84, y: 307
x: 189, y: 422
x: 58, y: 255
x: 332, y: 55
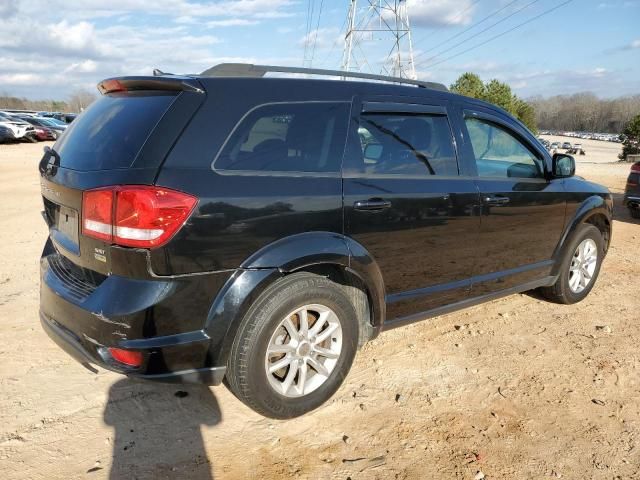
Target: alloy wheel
x: 583, y: 265
x: 303, y: 350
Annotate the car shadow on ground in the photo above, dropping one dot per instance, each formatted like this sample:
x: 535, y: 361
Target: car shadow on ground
x: 158, y: 429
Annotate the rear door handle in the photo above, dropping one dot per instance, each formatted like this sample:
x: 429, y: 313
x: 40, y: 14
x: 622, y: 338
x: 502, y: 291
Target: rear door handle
x: 373, y: 204
x: 495, y: 200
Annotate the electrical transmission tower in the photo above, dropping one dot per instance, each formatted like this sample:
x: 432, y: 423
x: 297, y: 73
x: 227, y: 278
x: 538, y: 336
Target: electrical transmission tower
x: 379, y: 25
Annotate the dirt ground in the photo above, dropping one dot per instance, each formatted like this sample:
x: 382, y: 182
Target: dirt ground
x: 516, y: 388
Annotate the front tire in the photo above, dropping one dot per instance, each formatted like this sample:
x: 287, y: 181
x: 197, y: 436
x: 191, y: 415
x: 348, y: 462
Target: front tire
x: 294, y: 347
x: 580, y: 266
x: 634, y: 212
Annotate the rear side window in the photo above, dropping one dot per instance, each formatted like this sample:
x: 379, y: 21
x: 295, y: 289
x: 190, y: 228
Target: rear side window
x: 111, y: 132
x: 414, y: 145
x: 288, y: 137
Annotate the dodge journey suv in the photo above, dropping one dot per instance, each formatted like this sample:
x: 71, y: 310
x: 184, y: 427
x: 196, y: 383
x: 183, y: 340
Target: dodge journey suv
x: 258, y: 230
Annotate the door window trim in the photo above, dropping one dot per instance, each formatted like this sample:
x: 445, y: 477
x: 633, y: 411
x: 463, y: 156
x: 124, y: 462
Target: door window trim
x: 401, y: 108
x: 500, y: 123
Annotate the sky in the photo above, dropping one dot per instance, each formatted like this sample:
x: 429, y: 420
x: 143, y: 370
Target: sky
x: 51, y: 48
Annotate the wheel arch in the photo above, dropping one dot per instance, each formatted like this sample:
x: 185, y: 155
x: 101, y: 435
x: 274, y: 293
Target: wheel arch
x: 325, y: 253
x: 595, y: 210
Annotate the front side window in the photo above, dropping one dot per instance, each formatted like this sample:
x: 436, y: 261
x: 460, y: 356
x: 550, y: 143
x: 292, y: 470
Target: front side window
x: 292, y: 137
x: 400, y: 144
x: 498, y: 153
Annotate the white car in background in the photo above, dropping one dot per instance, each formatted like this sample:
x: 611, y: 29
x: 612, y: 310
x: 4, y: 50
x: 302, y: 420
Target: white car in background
x: 20, y: 128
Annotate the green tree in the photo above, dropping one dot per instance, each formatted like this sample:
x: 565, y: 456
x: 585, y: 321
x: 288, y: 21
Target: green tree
x: 525, y: 112
x: 498, y: 93
x: 470, y: 85
x: 631, y: 143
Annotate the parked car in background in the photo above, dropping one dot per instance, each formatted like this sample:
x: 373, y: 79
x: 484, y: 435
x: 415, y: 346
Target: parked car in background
x: 60, y: 123
x: 43, y: 133
x: 577, y: 149
x: 20, y: 129
x: 555, y: 146
x: 63, y: 117
x: 56, y: 129
x: 6, y: 134
x: 566, y: 145
x: 632, y: 191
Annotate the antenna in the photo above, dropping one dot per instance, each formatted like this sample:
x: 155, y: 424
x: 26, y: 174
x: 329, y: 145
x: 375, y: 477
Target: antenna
x: 387, y: 23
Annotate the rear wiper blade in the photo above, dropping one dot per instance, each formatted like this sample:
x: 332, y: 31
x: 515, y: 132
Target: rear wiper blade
x: 45, y: 163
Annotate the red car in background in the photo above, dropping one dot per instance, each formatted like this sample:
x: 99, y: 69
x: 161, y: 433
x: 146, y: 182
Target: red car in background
x: 632, y: 191
x: 43, y: 133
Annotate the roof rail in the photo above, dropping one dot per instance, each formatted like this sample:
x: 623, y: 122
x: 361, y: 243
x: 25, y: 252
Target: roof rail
x: 250, y: 70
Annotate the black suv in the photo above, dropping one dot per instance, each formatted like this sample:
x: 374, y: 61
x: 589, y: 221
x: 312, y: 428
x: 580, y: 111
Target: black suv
x: 259, y: 230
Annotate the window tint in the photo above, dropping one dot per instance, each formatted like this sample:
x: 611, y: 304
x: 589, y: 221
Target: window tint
x: 294, y: 137
x: 110, y: 133
x: 499, y: 154
x: 397, y: 144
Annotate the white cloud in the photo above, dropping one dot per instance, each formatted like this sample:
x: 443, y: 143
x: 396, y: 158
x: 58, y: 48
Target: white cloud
x: 434, y: 13
x: 20, y: 79
x: 322, y: 37
x: 76, y: 37
x: 231, y: 22
x: 88, y: 66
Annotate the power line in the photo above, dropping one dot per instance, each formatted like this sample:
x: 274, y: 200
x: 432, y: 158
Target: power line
x: 306, y: 33
x: 500, y: 34
x: 315, y: 40
x: 470, y: 27
x: 307, y: 41
x: 335, y: 43
x: 481, y: 31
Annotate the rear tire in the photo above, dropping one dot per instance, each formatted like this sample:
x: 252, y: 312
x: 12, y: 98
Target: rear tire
x: 314, y: 361
x: 580, y: 266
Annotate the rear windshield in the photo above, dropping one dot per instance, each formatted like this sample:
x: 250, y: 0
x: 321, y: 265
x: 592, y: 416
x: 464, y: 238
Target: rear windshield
x: 110, y: 133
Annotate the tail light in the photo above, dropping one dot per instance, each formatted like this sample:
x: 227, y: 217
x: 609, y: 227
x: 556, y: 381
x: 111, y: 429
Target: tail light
x: 130, y: 358
x: 635, y: 168
x: 135, y: 216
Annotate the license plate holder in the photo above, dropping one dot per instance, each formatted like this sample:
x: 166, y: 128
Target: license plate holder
x: 66, y: 223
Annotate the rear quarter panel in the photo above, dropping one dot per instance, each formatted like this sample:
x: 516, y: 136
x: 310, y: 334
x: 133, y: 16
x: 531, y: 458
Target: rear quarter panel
x: 237, y: 213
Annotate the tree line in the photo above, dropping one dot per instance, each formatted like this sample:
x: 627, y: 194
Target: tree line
x: 585, y: 112
x: 78, y: 101
x: 581, y: 112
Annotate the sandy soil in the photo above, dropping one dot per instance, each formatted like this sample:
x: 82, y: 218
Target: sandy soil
x: 517, y: 388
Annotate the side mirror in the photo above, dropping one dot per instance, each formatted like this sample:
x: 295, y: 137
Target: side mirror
x: 373, y: 151
x: 563, y: 165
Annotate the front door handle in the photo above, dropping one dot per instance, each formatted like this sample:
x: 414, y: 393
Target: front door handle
x: 373, y: 204
x: 495, y: 200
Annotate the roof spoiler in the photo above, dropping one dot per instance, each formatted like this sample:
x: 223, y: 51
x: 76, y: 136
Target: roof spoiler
x: 127, y: 84
x: 256, y: 71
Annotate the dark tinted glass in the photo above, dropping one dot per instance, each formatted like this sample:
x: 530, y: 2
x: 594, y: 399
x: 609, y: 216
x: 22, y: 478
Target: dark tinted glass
x: 293, y: 137
x: 396, y: 144
x: 111, y: 132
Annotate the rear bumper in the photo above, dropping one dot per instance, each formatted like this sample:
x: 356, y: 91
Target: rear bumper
x: 71, y: 344
x: 152, y: 317
x: 631, y: 200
